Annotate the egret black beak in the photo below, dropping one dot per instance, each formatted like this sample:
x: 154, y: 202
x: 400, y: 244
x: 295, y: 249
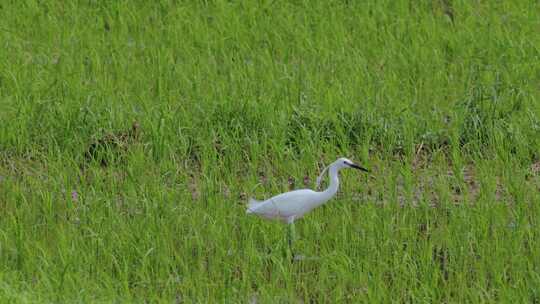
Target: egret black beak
x: 358, y: 167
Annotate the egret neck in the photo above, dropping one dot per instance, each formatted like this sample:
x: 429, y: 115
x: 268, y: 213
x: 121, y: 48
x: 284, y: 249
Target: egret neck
x: 334, y: 184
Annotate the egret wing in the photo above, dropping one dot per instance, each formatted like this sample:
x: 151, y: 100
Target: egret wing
x: 294, y: 203
x: 284, y: 206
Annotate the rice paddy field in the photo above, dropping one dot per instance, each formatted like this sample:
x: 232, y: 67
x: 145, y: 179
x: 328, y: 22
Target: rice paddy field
x: 132, y: 134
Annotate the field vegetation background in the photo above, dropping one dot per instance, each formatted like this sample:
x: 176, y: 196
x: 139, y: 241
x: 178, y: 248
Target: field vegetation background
x: 133, y: 132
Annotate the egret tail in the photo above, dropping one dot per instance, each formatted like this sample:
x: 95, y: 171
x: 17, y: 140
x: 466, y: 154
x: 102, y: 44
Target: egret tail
x: 252, y: 205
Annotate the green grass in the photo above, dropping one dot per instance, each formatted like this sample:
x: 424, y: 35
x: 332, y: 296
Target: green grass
x: 242, y: 98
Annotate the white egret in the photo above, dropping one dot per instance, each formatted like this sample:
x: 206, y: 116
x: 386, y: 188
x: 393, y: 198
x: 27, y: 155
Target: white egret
x: 290, y: 206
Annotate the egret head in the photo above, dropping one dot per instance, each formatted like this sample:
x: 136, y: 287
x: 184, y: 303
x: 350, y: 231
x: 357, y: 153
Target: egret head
x: 339, y: 164
x: 343, y: 162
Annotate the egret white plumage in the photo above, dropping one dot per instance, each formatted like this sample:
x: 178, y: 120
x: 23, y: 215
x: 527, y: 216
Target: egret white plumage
x: 290, y: 206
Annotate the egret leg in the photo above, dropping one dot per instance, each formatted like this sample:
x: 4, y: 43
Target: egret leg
x: 292, y: 235
x: 291, y: 238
